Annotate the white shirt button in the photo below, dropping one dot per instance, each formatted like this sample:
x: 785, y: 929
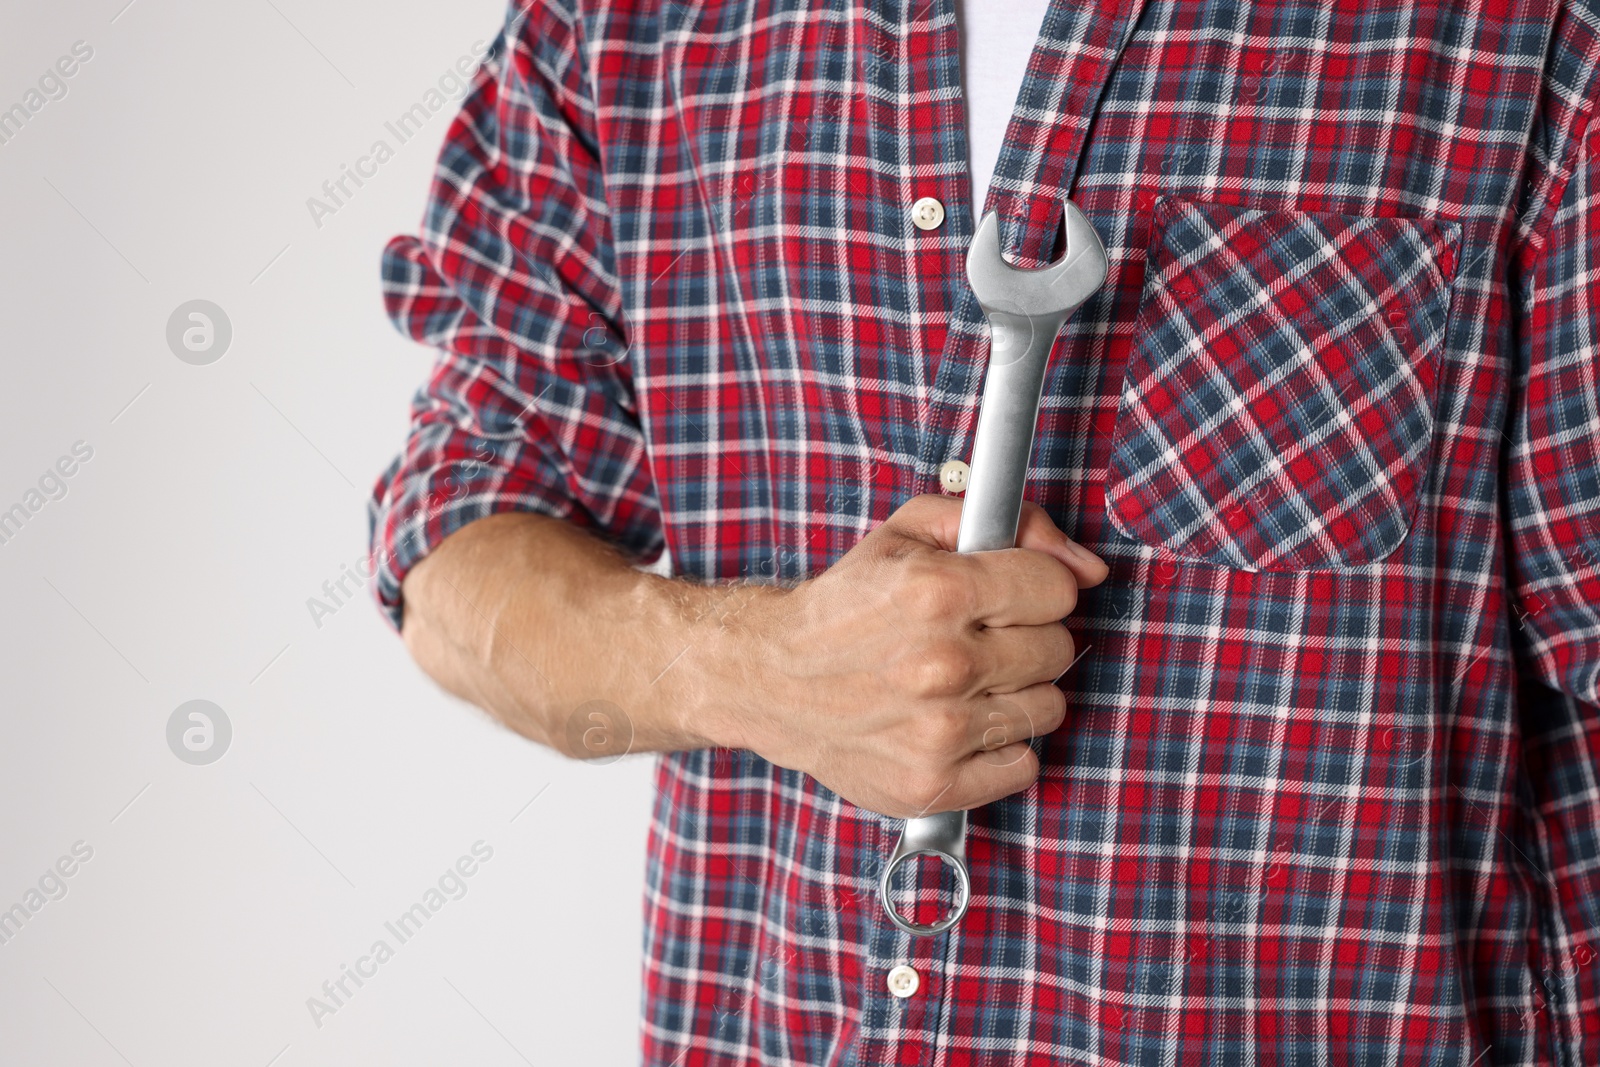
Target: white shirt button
x: 953, y: 476
x: 903, y: 981
x: 927, y: 213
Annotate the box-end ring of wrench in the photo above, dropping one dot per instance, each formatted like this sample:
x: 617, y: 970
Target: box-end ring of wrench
x: 1026, y: 309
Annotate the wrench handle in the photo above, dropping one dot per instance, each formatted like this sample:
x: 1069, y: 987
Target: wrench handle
x: 1019, y: 351
x: 1007, y: 418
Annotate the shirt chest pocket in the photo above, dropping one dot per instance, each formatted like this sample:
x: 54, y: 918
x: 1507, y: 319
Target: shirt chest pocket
x: 1278, y: 404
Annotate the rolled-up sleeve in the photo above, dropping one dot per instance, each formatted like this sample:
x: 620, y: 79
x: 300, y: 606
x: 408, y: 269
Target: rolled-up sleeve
x: 530, y: 406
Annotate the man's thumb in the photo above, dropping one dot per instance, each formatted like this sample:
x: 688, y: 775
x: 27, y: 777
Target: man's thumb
x: 929, y: 518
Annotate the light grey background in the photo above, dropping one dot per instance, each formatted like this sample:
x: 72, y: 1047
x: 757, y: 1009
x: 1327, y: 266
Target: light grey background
x: 178, y: 566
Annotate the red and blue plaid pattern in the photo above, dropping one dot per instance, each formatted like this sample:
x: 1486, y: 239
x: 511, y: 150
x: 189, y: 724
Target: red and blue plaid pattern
x: 1277, y: 409
x: 1328, y: 791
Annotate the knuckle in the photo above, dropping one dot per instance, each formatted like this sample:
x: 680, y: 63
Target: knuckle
x: 947, y: 667
x: 937, y: 591
x: 939, y: 735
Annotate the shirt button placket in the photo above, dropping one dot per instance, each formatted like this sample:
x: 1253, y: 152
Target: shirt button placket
x: 903, y: 992
x: 907, y: 984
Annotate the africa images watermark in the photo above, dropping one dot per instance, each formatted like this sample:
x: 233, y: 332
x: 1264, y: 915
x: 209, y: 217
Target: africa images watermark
x: 52, y: 485
x: 451, y: 885
x: 52, y: 885
x: 52, y: 85
x: 352, y: 578
x: 346, y: 585
x: 450, y: 87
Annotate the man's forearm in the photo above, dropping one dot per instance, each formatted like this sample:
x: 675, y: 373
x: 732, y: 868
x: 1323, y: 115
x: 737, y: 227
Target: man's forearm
x: 906, y: 675
x: 530, y: 617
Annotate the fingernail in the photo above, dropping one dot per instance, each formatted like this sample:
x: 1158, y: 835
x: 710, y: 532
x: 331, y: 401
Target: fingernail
x: 1083, y: 553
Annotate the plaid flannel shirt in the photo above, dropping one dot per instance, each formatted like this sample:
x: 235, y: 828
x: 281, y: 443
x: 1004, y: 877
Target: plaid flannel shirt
x: 1328, y: 788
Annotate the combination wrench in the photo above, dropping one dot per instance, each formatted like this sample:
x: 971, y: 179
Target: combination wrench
x: 1025, y: 309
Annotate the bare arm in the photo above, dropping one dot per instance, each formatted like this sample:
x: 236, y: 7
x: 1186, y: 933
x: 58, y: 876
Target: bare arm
x: 529, y: 617
x: 906, y: 675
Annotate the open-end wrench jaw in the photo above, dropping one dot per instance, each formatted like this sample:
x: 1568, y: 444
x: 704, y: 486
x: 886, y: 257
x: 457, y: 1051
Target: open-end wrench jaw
x: 1057, y: 289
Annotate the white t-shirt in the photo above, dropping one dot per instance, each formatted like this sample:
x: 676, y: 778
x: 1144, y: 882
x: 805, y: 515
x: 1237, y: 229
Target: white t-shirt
x: 996, y: 41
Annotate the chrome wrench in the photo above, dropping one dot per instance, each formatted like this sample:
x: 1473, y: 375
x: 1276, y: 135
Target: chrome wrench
x: 1026, y: 309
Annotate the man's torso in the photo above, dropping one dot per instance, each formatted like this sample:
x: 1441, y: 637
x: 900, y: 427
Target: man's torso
x: 1298, y: 812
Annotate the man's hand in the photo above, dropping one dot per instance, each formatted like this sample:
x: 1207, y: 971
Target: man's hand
x: 907, y: 677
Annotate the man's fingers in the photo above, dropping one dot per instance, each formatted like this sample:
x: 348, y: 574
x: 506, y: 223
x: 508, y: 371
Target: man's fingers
x: 1004, y: 762
x: 1020, y: 587
x: 1011, y: 658
x: 936, y: 520
x: 986, y: 777
x: 1012, y: 717
x: 1038, y: 531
